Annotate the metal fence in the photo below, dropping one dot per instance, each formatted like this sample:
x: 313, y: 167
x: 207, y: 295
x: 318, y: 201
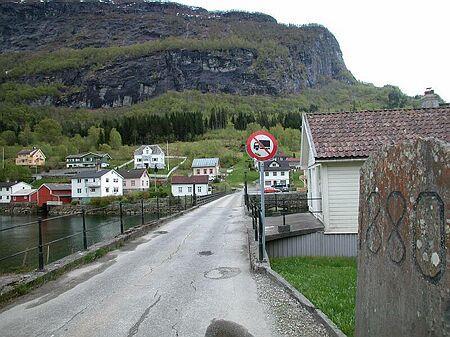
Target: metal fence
x: 148, y: 209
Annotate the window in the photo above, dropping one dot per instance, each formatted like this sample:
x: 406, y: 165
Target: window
x: 154, y: 159
x: 124, y: 183
x: 266, y: 174
x: 282, y: 173
x: 116, y: 180
x: 7, y: 197
x: 107, y: 180
x: 199, y: 189
x: 190, y: 189
x: 198, y: 171
x: 274, y: 173
x: 139, y: 159
x: 86, y: 180
x: 180, y: 189
x: 79, y: 190
x: 92, y: 189
x: 116, y: 189
x: 1, y: 197
x: 267, y: 183
x: 205, y: 171
x: 210, y: 171
x: 133, y: 182
x: 7, y: 189
x: 107, y: 189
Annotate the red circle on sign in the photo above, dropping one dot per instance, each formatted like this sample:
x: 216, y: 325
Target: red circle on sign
x: 270, y: 154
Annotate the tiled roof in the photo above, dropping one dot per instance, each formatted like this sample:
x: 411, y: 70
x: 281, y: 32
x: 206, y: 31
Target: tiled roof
x: 24, y: 192
x: 283, y: 165
x: 7, y: 184
x: 132, y: 174
x: 358, y: 134
x: 205, y: 162
x: 90, y: 174
x: 156, y: 149
x: 200, y: 179
x: 81, y: 155
x: 58, y: 187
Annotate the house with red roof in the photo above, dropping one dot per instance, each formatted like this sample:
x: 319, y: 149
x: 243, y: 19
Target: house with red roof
x: 335, y: 145
x: 182, y: 185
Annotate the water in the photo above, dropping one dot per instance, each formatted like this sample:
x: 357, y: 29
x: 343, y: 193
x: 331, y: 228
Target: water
x: 99, y: 228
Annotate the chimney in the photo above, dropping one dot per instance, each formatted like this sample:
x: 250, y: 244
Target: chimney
x: 430, y: 99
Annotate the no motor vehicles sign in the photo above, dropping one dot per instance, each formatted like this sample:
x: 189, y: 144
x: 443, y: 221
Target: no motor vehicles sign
x: 261, y: 145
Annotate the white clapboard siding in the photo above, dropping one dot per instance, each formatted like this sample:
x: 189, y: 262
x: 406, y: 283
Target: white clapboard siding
x: 343, y: 196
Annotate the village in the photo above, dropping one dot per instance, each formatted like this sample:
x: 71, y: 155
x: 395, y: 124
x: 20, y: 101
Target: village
x: 91, y: 177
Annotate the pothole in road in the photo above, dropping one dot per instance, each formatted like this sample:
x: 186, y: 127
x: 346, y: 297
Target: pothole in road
x: 161, y: 232
x: 222, y: 273
x: 205, y: 253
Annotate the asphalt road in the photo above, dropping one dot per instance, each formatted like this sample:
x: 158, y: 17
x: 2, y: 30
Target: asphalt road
x: 187, y: 275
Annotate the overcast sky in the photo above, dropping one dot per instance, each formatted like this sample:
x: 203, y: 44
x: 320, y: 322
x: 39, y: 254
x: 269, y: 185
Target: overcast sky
x: 399, y: 42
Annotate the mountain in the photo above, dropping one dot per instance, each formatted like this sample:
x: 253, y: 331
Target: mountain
x: 112, y: 54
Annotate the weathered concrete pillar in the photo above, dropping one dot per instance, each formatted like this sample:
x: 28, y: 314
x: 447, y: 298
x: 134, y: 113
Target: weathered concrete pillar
x: 403, y: 249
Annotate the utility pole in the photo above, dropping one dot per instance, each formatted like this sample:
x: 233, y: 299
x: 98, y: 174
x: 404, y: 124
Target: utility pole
x: 168, y: 159
x: 263, y: 211
x: 3, y: 157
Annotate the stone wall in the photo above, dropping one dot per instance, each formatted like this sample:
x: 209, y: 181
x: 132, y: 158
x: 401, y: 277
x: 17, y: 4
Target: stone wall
x: 404, y: 237
x: 18, y: 208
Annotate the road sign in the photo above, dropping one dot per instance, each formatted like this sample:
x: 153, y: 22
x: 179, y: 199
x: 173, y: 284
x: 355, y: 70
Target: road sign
x: 261, y: 145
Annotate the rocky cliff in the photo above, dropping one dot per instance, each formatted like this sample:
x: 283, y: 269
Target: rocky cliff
x: 104, y: 54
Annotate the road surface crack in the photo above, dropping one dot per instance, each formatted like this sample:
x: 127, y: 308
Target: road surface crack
x: 193, y: 286
x: 66, y: 323
x: 135, y: 328
x: 174, y: 328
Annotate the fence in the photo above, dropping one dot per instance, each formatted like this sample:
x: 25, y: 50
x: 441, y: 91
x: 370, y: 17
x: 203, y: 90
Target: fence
x: 86, y: 230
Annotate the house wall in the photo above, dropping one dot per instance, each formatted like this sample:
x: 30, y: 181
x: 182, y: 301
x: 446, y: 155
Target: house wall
x: 86, y: 188
x: 25, y: 198
x: 111, y: 184
x: 314, y: 244
x: 44, y: 195
x: 210, y: 171
x: 137, y: 184
x: 6, y: 192
x: 276, y: 178
x: 186, y: 189
x: 148, y: 160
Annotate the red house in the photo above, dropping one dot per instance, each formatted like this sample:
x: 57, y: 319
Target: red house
x: 25, y: 195
x: 54, y: 194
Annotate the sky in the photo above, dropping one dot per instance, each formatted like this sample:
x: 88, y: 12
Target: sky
x: 399, y: 42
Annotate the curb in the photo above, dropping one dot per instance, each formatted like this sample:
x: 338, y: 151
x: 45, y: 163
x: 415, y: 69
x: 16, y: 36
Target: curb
x: 264, y: 268
x: 55, y: 269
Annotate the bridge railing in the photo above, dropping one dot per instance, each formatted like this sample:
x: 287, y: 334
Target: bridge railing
x: 124, y: 216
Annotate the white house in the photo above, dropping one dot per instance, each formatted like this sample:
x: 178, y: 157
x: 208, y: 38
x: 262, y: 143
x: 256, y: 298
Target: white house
x: 8, y: 188
x: 101, y: 183
x: 135, y: 180
x: 206, y: 166
x: 149, y: 156
x: 276, y: 172
x: 335, y: 145
x: 89, y: 159
x: 182, y: 186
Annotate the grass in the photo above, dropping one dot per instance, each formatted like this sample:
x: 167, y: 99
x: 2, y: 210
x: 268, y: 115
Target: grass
x: 329, y: 283
x: 237, y: 177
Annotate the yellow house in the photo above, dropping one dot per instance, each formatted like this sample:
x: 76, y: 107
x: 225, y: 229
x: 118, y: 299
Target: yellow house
x: 33, y: 157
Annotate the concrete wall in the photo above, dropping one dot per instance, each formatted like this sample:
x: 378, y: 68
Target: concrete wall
x: 315, y: 244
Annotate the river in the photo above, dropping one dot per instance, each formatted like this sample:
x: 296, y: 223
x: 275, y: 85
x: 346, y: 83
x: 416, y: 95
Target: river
x: 99, y: 228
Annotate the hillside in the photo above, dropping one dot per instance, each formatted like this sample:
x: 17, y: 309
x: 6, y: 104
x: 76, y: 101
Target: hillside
x: 98, y: 54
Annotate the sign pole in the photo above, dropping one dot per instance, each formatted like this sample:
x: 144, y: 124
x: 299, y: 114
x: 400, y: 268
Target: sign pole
x: 263, y: 211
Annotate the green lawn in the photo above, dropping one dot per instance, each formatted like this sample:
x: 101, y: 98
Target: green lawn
x: 329, y: 283
x: 237, y: 177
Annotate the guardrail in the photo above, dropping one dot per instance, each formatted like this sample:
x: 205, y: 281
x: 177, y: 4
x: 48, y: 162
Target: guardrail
x: 156, y: 208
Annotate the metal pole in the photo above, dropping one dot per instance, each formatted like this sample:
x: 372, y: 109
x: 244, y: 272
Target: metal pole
x: 263, y: 215
x: 121, y: 217
x: 40, y: 247
x: 157, y: 207
x: 185, y: 196
x: 256, y: 222
x: 142, y: 212
x: 245, y: 190
x: 261, y: 238
x: 194, y: 195
x: 85, y: 246
x: 284, y: 212
x: 276, y: 203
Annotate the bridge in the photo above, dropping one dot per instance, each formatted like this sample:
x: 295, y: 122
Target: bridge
x: 189, y: 277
